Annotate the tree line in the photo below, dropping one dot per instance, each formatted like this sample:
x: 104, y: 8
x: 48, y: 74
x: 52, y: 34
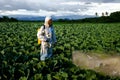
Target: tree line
x: 113, y: 17
x: 7, y: 19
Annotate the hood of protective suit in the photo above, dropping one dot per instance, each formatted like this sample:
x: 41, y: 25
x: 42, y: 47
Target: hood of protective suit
x: 47, y: 19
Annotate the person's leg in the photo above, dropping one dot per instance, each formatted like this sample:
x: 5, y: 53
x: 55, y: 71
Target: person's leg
x: 49, y: 52
x: 43, y: 54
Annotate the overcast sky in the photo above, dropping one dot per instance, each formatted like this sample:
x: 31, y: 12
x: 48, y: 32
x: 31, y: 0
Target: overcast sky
x: 57, y: 7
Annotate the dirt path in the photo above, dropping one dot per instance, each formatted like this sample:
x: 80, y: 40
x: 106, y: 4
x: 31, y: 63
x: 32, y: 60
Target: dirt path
x: 103, y: 63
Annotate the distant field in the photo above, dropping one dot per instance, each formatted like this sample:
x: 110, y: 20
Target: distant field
x: 19, y: 50
x: 100, y: 37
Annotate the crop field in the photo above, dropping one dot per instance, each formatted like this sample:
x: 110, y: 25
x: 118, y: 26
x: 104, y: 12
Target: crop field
x: 19, y: 51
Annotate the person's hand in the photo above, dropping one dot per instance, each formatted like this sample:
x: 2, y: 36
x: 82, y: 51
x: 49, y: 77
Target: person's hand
x: 47, y: 40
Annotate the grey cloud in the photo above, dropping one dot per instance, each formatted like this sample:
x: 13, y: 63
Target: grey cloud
x: 101, y: 1
x: 87, y: 2
x: 46, y: 4
x: 49, y: 5
x: 26, y: 4
x: 14, y: 5
x: 111, y: 1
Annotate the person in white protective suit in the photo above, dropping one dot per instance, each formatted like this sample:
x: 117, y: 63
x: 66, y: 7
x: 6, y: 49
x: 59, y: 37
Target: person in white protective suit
x: 47, y: 36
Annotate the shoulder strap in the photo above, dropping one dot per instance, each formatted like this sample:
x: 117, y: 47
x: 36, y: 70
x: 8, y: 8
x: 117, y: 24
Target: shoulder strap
x: 43, y: 26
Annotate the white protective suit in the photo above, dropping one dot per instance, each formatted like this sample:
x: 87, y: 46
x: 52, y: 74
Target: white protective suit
x: 48, y: 38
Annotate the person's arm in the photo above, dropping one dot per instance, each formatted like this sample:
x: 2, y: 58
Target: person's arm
x: 41, y: 34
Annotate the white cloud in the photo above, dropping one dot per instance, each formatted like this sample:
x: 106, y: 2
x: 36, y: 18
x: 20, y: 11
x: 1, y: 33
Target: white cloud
x: 104, y: 7
x: 57, y: 7
x: 73, y: 3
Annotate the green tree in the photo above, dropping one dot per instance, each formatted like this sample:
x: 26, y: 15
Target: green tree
x: 96, y: 14
x: 115, y: 16
x: 106, y: 13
